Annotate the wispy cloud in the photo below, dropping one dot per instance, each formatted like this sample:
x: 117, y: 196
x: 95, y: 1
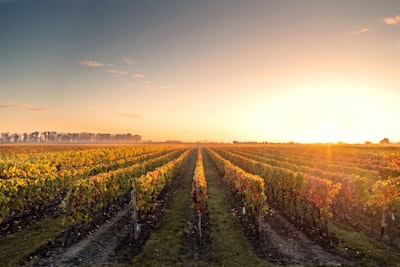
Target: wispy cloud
x: 138, y: 75
x: 360, y: 31
x: 35, y: 109
x: 29, y: 107
x: 130, y: 115
x: 118, y: 72
x: 128, y: 61
x: 95, y: 64
x: 10, y: 106
x: 392, y: 20
x: 148, y: 85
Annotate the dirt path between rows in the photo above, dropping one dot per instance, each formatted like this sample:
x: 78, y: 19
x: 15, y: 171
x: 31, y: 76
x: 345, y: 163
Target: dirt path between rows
x: 109, y: 243
x: 96, y: 248
x: 174, y: 241
x: 281, y: 242
x: 230, y: 245
x: 169, y: 236
x: 288, y: 245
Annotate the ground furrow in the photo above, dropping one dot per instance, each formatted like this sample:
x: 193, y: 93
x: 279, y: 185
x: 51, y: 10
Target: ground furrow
x: 230, y: 245
x: 164, y: 244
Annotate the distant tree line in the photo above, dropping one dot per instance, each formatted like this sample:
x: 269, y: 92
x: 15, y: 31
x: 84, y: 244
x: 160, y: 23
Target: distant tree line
x: 55, y: 137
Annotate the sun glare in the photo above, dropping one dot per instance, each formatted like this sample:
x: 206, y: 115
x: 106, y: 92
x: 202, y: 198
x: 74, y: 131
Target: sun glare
x: 326, y: 113
x: 324, y: 132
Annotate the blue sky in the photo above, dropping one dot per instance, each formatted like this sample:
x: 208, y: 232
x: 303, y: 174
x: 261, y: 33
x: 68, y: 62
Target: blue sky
x: 194, y: 70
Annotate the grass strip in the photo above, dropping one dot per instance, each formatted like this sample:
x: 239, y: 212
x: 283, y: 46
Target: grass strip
x: 16, y: 247
x: 230, y: 245
x: 164, y: 244
x: 369, y: 251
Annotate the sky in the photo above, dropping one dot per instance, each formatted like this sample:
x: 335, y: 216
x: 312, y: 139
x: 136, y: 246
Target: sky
x: 216, y: 70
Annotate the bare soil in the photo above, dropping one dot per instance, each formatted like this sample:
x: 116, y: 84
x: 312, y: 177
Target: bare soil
x: 196, y: 251
x: 280, y: 241
x: 105, y: 241
x: 21, y: 221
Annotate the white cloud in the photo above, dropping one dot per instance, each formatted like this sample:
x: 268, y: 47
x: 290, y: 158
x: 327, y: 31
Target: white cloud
x: 362, y: 30
x: 95, y: 64
x: 118, y: 72
x: 128, y: 61
x: 392, y: 20
x: 138, y: 75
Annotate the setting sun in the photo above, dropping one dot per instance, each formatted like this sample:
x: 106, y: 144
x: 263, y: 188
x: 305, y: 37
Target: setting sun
x: 336, y: 113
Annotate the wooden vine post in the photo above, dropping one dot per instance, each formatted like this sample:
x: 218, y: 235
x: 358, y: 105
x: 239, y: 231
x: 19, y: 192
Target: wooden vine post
x: 199, y: 225
x: 67, y: 209
x: 199, y: 191
x: 260, y: 217
x: 134, y: 234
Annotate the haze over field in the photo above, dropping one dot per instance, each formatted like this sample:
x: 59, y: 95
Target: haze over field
x: 304, y: 71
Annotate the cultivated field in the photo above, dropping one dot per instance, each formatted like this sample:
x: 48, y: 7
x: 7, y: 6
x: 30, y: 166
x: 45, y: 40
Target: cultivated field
x: 209, y: 205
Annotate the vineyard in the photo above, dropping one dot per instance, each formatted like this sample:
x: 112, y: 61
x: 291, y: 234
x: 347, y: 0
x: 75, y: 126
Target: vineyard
x: 209, y: 205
